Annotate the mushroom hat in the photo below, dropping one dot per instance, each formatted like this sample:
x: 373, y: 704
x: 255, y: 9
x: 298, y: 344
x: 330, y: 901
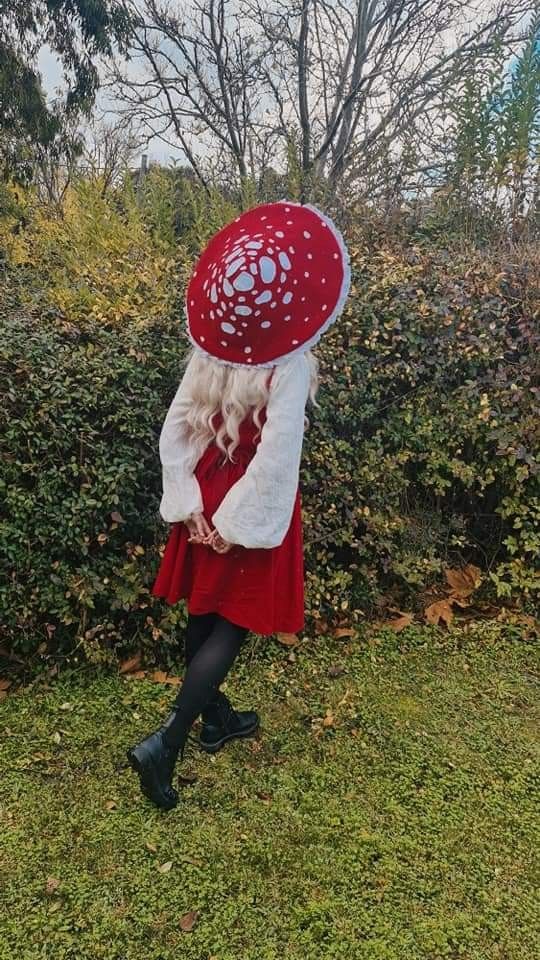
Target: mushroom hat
x: 267, y: 285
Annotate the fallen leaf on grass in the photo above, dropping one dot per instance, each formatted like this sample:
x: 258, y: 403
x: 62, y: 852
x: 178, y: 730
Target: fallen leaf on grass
x: 159, y: 676
x: 287, y: 639
x: 399, y: 623
x: 344, y: 632
x: 335, y: 670
x: 173, y: 681
x: 440, y: 610
x: 463, y: 581
x: 52, y: 884
x: 187, y: 778
x: 111, y: 805
x: 328, y: 720
x: 151, y: 846
x: 266, y: 797
x: 137, y: 675
x: 165, y: 867
x: 131, y: 664
x: 188, y: 921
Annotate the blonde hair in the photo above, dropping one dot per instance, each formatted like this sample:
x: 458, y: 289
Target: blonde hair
x: 234, y: 392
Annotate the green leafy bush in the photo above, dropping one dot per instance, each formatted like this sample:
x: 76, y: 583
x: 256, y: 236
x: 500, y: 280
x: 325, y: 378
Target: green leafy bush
x: 420, y: 456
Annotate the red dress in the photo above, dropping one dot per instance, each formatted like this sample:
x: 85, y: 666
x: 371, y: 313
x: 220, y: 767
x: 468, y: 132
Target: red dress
x: 258, y: 588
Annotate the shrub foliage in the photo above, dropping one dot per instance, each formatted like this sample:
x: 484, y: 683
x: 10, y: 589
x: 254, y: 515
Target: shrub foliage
x: 421, y: 454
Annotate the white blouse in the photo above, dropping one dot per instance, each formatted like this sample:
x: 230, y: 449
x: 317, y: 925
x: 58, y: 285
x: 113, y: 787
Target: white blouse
x: 256, y: 511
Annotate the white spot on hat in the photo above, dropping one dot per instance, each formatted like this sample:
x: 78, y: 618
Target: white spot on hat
x: 284, y: 261
x: 244, y: 281
x: 336, y: 256
x: 213, y: 294
x: 288, y: 297
x: 203, y: 339
x: 247, y: 349
x: 267, y: 269
x: 243, y: 311
x: 264, y: 297
x: 234, y: 266
x: 282, y: 277
x: 227, y: 288
x: 325, y: 306
x: 288, y: 317
x: 223, y: 343
x: 254, y: 245
x: 253, y: 267
x: 294, y: 341
x: 279, y: 234
x: 307, y: 234
x: 306, y: 274
x: 228, y: 328
x: 265, y: 324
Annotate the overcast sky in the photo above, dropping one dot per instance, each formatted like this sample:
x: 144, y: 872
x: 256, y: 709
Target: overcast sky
x: 52, y: 82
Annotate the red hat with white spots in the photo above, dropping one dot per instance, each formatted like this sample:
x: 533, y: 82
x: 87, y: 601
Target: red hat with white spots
x: 267, y: 285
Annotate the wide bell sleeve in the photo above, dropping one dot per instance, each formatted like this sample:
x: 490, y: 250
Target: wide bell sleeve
x: 257, y: 510
x: 181, y: 491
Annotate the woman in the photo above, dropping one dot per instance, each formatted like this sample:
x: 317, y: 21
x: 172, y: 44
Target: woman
x: 263, y: 292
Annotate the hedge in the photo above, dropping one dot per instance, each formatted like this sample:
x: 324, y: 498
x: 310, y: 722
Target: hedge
x: 420, y: 456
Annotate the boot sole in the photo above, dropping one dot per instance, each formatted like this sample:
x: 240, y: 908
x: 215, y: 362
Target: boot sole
x: 142, y: 763
x: 214, y: 747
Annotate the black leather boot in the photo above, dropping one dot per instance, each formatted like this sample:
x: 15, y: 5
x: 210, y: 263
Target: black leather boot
x: 221, y: 722
x: 154, y: 759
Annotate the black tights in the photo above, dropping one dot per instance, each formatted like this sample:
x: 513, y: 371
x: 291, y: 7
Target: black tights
x: 212, y: 644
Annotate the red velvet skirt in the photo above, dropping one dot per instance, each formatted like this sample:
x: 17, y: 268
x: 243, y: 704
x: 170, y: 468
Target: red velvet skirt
x: 261, y: 589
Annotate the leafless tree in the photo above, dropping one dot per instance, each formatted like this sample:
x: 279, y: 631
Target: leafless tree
x: 351, y: 86
x: 109, y: 150
x: 195, y: 79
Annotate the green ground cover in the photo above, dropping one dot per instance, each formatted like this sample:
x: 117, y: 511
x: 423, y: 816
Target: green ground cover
x: 385, y: 812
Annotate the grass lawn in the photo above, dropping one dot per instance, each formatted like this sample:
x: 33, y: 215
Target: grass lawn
x: 385, y: 812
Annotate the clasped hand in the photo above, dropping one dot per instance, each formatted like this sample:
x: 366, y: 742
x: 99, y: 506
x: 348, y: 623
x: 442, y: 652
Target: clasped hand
x: 200, y: 532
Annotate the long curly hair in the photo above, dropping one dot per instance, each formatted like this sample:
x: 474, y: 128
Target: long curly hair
x: 235, y: 392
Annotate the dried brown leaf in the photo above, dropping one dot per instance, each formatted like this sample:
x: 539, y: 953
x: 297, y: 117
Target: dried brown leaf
x: 287, y: 639
x: 188, y: 921
x: 399, y: 623
x: 463, y: 581
x: 440, y: 610
x: 131, y: 664
x: 159, y: 676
